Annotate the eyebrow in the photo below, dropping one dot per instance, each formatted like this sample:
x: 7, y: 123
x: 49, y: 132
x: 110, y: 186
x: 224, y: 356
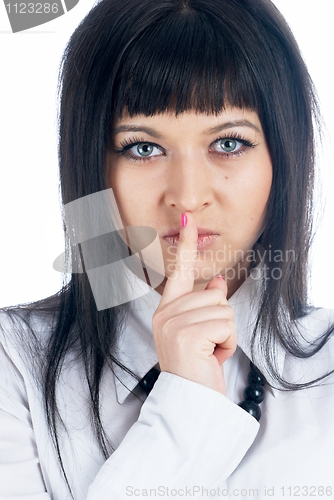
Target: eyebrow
x: 136, y: 128
x: 213, y: 130
x: 237, y: 123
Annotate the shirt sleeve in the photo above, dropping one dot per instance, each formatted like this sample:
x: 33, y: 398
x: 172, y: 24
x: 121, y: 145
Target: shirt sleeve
x: 20, y: 473
x: 187, y: 438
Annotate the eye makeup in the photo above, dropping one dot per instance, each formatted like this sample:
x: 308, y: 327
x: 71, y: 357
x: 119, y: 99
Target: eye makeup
x: 138, y: 149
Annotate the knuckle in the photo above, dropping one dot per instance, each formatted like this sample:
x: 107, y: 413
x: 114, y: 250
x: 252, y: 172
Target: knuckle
x: 158, y: 320
x: 219, y: 296
x: 229, y: 313
x: 230, y: 325
x: 170, y: 325
x: 163, y: 325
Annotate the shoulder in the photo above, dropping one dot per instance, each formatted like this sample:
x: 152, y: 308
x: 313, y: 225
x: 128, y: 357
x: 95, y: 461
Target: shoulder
x: 317, y: 317
x: 315, y: 335
x: 317, y: 324
x: 24, y: 335
x: 22, y: 325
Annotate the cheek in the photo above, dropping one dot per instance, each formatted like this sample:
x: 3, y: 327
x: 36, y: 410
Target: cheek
x: 133, y: 196
x: 264, y: 182
x: 260, y: 188
x: 248, y: 193
x: 258, y: 192
x: 121, y: 190
x: 259, y: 177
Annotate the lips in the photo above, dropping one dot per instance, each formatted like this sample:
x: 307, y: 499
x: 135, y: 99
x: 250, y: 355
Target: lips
x: 206, y: 238
x: 201, y: 231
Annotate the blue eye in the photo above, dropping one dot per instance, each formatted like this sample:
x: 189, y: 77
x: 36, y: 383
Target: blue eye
x: 145, y: 149
x: 228, y: 145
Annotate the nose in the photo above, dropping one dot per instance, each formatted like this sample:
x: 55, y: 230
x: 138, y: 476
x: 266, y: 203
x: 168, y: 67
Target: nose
x: 189, y: 185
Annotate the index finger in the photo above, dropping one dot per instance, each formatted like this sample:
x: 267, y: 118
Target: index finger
x: 181, y: 280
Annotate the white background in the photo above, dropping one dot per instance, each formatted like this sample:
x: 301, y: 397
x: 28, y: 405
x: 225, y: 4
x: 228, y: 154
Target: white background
x: 31, y: 230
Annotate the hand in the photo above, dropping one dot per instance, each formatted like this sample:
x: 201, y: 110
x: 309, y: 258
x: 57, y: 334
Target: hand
x: 194, y: 332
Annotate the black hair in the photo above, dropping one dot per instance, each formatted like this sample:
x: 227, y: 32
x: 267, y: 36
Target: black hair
x: 154, y: 56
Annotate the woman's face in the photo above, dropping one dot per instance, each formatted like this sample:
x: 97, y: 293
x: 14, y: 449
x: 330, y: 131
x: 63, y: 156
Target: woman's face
x: 216, y: 166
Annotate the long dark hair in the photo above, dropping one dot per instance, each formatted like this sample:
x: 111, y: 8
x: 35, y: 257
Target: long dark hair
x: 176, y: 55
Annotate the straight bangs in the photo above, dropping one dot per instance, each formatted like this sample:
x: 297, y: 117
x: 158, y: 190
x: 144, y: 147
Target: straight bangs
x: 185, y: 62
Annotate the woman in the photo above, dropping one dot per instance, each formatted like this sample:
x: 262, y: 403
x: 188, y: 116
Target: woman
x: 193, y: 119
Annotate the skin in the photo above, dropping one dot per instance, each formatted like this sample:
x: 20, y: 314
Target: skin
x: 218, y: 171
x: 226, y: 193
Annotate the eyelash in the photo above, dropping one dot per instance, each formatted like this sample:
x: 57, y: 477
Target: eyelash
x: 129, y: 143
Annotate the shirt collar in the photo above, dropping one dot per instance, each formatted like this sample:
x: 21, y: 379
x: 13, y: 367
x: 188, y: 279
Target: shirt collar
x: 136, y: 349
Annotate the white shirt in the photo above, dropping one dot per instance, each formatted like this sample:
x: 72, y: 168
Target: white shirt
x: 184, y: 440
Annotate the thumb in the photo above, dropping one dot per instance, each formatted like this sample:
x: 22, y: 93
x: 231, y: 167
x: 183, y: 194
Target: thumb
x: 217, y: 282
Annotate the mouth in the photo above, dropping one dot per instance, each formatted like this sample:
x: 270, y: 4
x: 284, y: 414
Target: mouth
x: 206, y: 238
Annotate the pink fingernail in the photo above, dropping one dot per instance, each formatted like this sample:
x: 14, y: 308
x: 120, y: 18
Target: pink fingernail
x: 221, y: 277
x: 184, y: 220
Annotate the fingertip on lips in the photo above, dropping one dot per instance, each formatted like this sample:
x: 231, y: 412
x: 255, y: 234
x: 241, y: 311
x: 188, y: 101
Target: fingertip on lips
x: 220, y: 277
x: 184, y: 220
